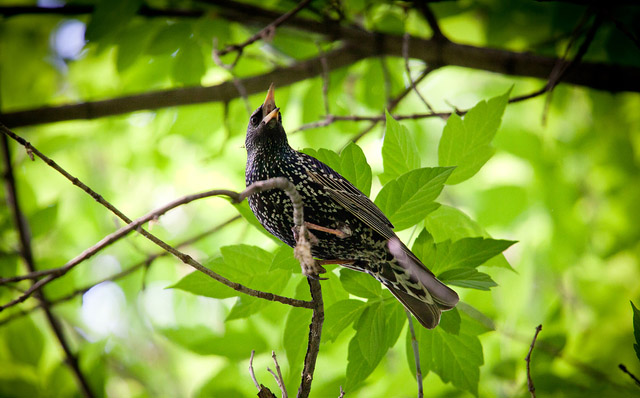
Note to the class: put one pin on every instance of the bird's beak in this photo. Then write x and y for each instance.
(269, 102)
(273, 114)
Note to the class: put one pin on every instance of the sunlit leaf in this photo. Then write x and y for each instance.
(350, 163)
(456, 358)
(339, 316)
(360, 284)
(399, 151)
(466, 143)
(409, 198)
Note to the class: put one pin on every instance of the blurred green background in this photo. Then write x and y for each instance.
(564, 182)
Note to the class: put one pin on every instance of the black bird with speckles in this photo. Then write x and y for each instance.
(350, 229)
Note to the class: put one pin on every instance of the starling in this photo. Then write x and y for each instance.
(349, 228)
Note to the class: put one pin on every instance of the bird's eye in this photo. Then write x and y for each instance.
(255, 119)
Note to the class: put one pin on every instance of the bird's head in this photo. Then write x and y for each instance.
(265, 129)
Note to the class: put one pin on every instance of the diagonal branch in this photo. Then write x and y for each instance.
(27, 254)
(280, 183)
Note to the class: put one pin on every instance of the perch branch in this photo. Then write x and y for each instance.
(532, 388)
(315, 331)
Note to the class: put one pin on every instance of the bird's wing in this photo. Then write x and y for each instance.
(349, 197)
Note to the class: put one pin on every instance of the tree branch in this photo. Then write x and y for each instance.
(357, 45)
(144, 263)
(280, 183)
(416, 354)
(267, 31)
(532, 388)
(315, 331)
(27, 254)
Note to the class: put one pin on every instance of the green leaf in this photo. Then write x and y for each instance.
(170, 39)
(296, 329)
(467, 143)
(409, 198)
(189, 66)
(360, 284)
(425, 249)
(636, 329)
(371, 333)
(43, 220)
(450, 223)
(339, 316)
(109, 16)
(456, 358)
(467, 277)
(202, 285)
(24, 341)
(358, 368)
(350, 163)
(202, 341)
(283, 259)
(399, 151)
(450, 321)
(132, 42)
(467, 253)
(244, 261)
(272, 282)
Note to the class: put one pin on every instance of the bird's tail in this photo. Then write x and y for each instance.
(424, 295)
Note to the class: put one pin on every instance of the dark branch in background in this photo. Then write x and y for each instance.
(27, 254)
(416, 355)
(633, 377)
(532, 388)
(144, 263)
(357, 44)
(267, 32)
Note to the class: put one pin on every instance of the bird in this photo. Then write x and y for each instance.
(348, 228)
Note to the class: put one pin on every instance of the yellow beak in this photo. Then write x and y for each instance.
(270, 102)
(273, 114)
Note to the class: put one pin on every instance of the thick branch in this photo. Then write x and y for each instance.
(358, 45)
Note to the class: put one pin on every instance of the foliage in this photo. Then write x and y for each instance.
(459, 191)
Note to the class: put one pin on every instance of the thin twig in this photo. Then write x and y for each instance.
(325, 79)
(267, 31)
(416, 355)
(27, 254)
(279, 378)
(315, 331)
(144, 263)
(405, 55)
(251, 372)
(532, 388)
(633, 377)
(341, 393)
